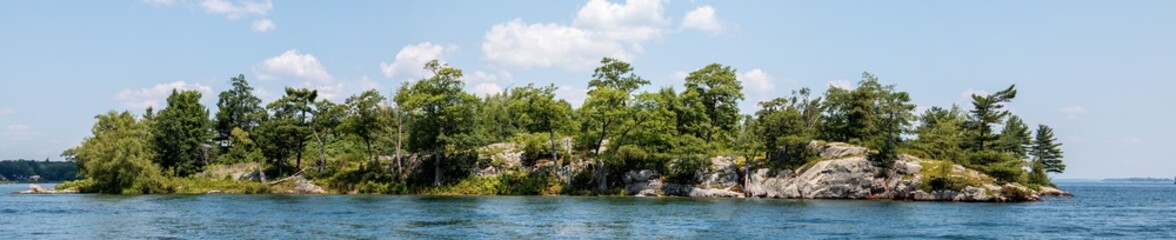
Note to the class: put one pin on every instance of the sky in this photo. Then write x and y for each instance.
(1098, 72)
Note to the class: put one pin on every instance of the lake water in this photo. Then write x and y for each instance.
(1100, 210)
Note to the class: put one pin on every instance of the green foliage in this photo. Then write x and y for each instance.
(181, 134)
(237, 108)
(1014, 138)
(285, 132)
(938, 175)
(364, 119)
(443, 115)
(22, 170)
(940, 133)
(243, 150)
(1046, 151)
(117, 157)
(685, 169)
(539, 112)
(987, 111)
(718, 91)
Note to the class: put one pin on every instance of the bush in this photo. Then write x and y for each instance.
(685, 169)
(1015, 194)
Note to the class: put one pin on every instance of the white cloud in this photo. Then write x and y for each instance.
(757, 80)
(679, 76)
(161, 3)
(293, 64)
(1073, 111)
(599, 29)
(842, 84)
(411, 59)
(967, 94)
(703, 19)
(263, 25)
(18, 132)
(154, 96)
(519, 44)
(6, 111)
(574, 95)
(501, 76)
(237, 10)
(482, 89)
(635, 21)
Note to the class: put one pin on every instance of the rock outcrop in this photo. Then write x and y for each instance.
(843, 173)
(37, 189)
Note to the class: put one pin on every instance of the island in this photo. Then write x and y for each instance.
(431, 137)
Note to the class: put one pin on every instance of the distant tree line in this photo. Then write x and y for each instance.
(368, 139)
(49, 171)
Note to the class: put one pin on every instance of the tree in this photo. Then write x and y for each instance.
(118, 156)
(327, 117)
(785, 127)
(182, 133)
(719, 92)
(1014, 138)
(539, 111)
(285, 132)
(443, 114)
(987, 111)
(363, 119)
(237, 108)
(894, 109)
(940, 133)
(609, 93)
(1047, 151)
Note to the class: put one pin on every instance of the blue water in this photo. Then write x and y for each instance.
(1099, 210)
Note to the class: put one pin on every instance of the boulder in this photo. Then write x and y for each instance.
(723, 173)
(307, 187)
(851, 178)
(1053, 192)
(643, 183)
(973, 194)
(835, 150)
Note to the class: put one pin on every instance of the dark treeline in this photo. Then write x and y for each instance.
(428, 133)
(37, 171)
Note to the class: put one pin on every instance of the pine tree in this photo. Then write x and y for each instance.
(1047, 151)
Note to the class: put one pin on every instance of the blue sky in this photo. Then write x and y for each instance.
(1099, 72)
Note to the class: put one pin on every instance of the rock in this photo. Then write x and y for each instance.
(940, 195)
(1053, 192)
(850, 178)
(502, 155)
(307, 187)
(37, 189)
(214, 192)
(723, 173)
(972, 194)
(642, 183)
(835, 150)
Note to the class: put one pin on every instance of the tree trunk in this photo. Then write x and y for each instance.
(437, 169)
(371, 156)
(554, 154)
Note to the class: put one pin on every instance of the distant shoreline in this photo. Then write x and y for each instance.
(1138, 179)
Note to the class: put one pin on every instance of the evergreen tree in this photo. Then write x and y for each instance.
(940, 133)
(237, 108)
(1047, 151)
(719, 93)
(987, 111)
(1014, 138)
(182, 133)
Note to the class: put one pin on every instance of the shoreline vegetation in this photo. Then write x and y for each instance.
(431, 137)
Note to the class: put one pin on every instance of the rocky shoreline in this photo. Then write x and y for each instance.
(843, 173)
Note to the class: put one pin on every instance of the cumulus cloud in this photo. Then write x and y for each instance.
(482, 89)
(263, 25)
(842, 84)
(574, 95)
(18, 132)
(1073, 111)
(411, 59)
(237, 10)
(757, 80)
(703, 19)
(155, 96)
(523, 45)
(293, 64)
(600, 28)
(636, 20)
(305, 71)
